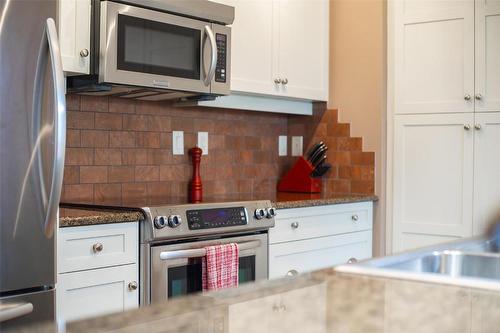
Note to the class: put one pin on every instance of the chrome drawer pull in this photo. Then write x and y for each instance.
(292, 273)
(97, 247)
(352, 261)
(196, 253)
(294, 225)
(355, 217)
(132, 286)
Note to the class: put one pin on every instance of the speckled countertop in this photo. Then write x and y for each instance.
(82, 215)
(79, 216)
(319, 302)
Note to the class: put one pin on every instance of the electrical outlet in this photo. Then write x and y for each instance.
(282, 145)
(203, 142)
(178, 142)
(297, 145)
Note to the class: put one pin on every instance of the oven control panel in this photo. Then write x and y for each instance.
(220, 69)
(216, 217)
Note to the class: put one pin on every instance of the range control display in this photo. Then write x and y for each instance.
(220, 69)
(216, 218)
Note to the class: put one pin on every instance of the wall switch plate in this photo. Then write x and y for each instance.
(178, 142)
(297, 142)
(203, 142)
(282, 145)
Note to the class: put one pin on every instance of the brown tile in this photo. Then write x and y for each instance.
(72, 102)
(174, 172)
(362, 172)
(105, 156)
(166, 140)
(147, 173)
(349, 144)
(246, 157)
(72, 138)
(338, 129)
(79, 156)
(363, 158)
(344, 172)
(159, 124)
(216, 141)
(78, 193)
(340, 186)
(93, 174)
(108, 194)
(121, 139)
(94, 103)
(121, 174)
(183, 124)
(362, 187)
(252, 142)
(121, 105)
(135, 122)
(145, 107)
(110, 121)
(134, 194)
(80, 120)
(203, 125)
(148, 139)
(340, 157)
(159, 192)
(158, 156)
(134, 156)
(71, 175)
(95, 138)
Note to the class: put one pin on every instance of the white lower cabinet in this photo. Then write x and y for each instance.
(97, 292)
(97, 270)
(306, 239)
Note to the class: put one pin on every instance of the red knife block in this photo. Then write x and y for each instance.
(299, 179)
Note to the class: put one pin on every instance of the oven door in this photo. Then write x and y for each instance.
(179, 272)
(147, 48)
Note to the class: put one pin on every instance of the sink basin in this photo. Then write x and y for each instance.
(472, 263)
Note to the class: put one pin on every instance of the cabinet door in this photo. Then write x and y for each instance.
(253, 46)
(291, 258)
(303, 48)
(96, 292)
(432, 194)
(486, 171)
(434, 56)
(74, 35)
(488, 55)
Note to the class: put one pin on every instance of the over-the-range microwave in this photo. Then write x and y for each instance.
(158, 50)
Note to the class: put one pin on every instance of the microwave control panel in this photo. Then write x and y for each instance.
(220, 69)
(216, 217)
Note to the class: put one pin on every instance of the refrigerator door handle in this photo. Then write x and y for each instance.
(10, 311)
(59, 128)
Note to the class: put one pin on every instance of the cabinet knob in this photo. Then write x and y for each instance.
(97, 247)
(355, 217)
(479, 97)
(292, 273)
(294, 225)
(284, 81)
(466, 127)
(352, 261)
(478, 127)
(467, 97)
(277, 80)
(84, 53)
(132, 286)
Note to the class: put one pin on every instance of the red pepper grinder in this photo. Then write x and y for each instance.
(195, 187)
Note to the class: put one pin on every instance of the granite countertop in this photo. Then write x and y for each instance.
(80, 216)
(318, 302)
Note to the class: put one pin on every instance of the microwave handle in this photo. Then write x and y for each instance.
(196, 253)
(213, 56)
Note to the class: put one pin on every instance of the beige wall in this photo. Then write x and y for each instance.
(358, 84)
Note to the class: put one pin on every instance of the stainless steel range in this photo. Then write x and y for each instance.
(173, 241)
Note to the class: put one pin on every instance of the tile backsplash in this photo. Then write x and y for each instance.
(119, 152)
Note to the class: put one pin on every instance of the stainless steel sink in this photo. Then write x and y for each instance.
(473, 263)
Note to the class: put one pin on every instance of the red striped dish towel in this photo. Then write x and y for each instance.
(220, 267)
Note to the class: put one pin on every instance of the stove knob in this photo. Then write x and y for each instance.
(260, 213)
(270, 212)
(174, 221)
(160, 222)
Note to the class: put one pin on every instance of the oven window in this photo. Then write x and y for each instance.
(186, 279)
(158, 48)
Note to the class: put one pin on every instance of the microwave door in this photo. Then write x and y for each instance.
(221, 76)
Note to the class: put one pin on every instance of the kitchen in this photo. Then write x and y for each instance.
(143, 141)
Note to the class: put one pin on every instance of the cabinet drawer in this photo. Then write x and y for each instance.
(304, 223)
(311, 254)
(96, 292)
(96, 246)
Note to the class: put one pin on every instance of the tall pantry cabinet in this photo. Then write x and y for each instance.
(444, 97)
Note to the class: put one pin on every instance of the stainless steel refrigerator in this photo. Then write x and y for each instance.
(32, 143)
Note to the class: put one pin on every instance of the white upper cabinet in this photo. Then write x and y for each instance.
(487, 55)
(280, 48)
(433, 175)
(434, 56)
(74, 35)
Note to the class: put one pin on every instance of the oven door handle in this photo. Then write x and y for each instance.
(196, 253)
